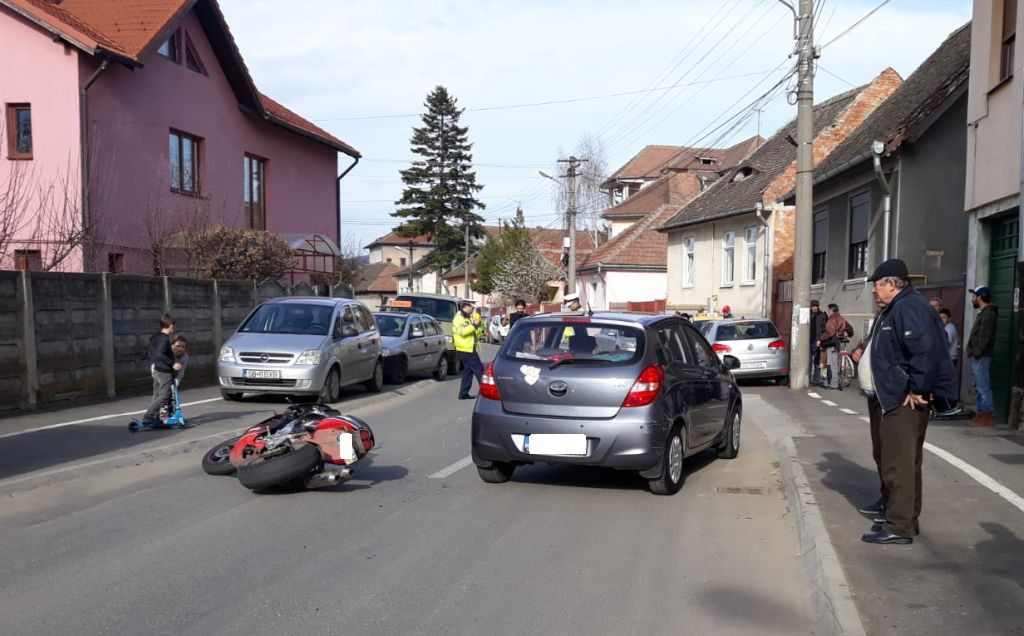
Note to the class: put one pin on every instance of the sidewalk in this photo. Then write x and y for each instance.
(965, 573)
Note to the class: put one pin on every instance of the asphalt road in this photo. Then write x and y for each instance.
(416, 544)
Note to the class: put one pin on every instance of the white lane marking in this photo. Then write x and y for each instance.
(451, 469)
(978, 476)
(865, 419)
(829, 403)
(98, 418)
(813, 395)
(848, 411)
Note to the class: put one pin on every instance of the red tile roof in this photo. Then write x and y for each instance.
(129, 29)
(641, 246)
(674, 188)
(392, 238)
(652, 160)
(378, 278)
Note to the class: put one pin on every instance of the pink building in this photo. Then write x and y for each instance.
(136, 120)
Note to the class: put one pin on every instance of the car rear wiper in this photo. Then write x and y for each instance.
(578, 360)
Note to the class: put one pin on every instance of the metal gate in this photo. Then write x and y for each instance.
(1003, 282)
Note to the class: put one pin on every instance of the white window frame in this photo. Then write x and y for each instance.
(728, 259)
(750, 255)
(689, 261)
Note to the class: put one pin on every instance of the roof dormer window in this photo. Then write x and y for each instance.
(707, 161)
(743, 174)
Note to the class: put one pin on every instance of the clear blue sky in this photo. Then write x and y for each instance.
(333, 61)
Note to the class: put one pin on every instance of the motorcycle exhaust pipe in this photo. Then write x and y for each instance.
(329, 478)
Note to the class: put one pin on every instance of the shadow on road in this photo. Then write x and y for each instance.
(858, 485)
(565, 476)
(753, 608)
(43, 449)
(1003, 554)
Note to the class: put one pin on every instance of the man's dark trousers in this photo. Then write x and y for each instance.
(471, 367)
(902, 437)
(875, 416)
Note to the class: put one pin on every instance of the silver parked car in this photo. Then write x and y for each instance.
(302, 346)
(411, 343)
(754, 342)
(625, 391)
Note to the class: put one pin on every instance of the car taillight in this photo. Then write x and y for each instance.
(778, 344)
(721, 348)
(488, 387)
(646, 388)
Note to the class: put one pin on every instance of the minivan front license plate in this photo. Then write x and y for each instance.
(556, 444)
(261, 374)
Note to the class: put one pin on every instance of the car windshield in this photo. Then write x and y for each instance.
(436, 307)
(393, 326)
(560, 342)
(292, 318)
(745, 331)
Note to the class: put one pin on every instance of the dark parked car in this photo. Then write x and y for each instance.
(625, 391)
(411, 343)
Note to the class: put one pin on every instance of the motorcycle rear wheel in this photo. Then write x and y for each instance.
(278, 470)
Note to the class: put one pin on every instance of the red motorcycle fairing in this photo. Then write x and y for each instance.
(332, 436)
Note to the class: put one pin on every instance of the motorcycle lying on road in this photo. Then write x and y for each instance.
(312, 445)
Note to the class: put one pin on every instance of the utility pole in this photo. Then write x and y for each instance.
(800, 345)
(570, 283)
(467, 263)
(411, 245)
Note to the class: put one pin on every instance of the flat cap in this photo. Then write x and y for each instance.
(892, 268)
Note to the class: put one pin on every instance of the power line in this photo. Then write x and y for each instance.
(551, 102)
(822, 68)
(855, 24)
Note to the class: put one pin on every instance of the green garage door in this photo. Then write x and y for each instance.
(1002, 280)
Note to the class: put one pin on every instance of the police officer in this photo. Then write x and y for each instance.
(467, 329)
(572, 303)
(908, 365)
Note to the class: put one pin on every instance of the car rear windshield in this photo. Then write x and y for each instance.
(436, 307)
(393, 326)
(563, 342)
(292, 318)
(745, 331)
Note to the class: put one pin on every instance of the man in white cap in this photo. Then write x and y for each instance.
(572, 302)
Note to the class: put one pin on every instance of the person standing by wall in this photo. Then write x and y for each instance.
(949, 408)
(817, 329)
(909, 362)
(467, 329)
(979, 354)
(836, 327)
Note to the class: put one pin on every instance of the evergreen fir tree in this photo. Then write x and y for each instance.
(439, 199)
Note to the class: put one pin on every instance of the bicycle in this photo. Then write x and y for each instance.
(847, 367)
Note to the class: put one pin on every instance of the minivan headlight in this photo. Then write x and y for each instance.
(227, 354)
(311, 357)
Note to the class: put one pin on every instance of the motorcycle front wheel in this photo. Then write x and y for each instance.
(217, 461)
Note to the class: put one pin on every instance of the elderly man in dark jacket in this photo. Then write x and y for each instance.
(908, 365)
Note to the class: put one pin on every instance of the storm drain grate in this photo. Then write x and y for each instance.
(740, 490)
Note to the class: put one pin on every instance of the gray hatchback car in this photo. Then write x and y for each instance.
(411, 343)
(626, 391)
(756, 343)
(302, 346)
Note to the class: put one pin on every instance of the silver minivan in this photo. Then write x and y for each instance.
(302, 346)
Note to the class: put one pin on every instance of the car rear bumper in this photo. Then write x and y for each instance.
(774, 366)
(633, 440)
(293, 380)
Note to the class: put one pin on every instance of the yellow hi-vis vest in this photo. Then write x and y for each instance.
(465, 333)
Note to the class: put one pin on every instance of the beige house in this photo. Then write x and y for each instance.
(398, 250)
(725, 251)
(993, 184)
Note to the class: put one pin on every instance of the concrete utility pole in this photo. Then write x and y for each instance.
(800, 345)
(570, 283)
(466, 279)
(411, 245)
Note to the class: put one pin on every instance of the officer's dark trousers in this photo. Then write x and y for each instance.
(471, 368)
(901, 435)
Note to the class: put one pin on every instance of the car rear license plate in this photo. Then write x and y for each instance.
(261, 374)
(755, 365)
(556, 444)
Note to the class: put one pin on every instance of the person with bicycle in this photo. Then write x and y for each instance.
(817, 331)
(836, 327)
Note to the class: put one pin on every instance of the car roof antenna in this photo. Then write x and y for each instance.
(590, 312)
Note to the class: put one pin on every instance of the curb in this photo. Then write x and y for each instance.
(80, 470)
(835, 610)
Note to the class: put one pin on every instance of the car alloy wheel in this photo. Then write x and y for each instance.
(736, 432)
(675, 459)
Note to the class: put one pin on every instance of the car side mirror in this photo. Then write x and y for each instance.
(731, 362)
(416, 333)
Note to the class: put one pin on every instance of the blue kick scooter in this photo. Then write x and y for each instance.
(171, 415)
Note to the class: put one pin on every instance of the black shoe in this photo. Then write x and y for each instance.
(875, 510)
(467, 397)
(884, 537)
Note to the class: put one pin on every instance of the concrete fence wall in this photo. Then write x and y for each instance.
(84, 337)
